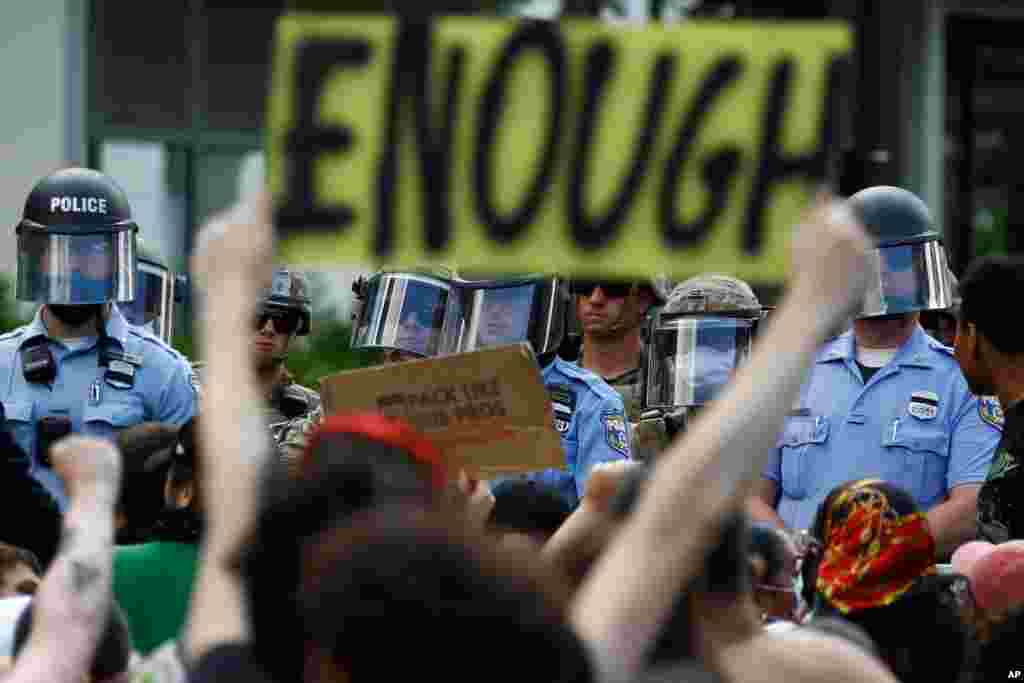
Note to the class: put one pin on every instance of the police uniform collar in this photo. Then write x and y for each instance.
(914, 352)
(35, 329)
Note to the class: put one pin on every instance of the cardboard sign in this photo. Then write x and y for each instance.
(487, 410)
(530, 146)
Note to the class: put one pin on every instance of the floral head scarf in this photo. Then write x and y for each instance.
(872, 554)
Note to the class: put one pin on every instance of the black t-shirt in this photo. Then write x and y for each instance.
(1001, 498)
(226, 664)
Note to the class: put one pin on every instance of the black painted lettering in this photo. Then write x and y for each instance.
(717, 171)
(308, 139)
(545, 38)
(411, 78)
(774, 166)
(596, 232)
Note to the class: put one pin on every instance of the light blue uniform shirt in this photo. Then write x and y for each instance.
(162, 390)
(591, 421)
(915, 424)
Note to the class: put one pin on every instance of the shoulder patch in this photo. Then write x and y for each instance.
(615, 433)
(991, 411)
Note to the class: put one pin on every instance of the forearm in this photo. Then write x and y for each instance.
(620, 610)
(954, 522)
(232, 428)
(760, 511)
(73, 601)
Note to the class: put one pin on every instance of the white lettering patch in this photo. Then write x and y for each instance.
(78, 205)
(924, 405)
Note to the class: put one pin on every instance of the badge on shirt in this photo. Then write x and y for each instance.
(615, 431)
(563, 403)
(924, 405)
(991, 411)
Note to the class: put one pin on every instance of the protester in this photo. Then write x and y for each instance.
(19, 571)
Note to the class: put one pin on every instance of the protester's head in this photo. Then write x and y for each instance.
(773, 561)
(526, 513)
(182, 496)
(874, 544)
(453, 605)
(113, 652)
(996, 573)
(146, 451)
(352, 463)
(875, 568)
(20, 571)
(987, 338)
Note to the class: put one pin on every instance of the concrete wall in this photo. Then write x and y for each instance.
(35, 127)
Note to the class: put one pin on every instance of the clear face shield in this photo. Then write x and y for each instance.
(908, 278)
(405, 312)
(690, 359)
(498, 313)
(153, 305)
(75, 269)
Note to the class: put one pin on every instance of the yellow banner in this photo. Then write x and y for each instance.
(574, 147)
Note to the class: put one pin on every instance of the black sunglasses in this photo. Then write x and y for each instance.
(284, 322)
(612, 290)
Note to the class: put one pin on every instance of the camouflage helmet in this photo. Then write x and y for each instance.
(713, 293)
(289, 290)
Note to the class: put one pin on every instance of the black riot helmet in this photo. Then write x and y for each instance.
(910, 268)
(76, 241)
(156, 291)
(289, 294)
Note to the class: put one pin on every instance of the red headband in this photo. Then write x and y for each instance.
(385, 430)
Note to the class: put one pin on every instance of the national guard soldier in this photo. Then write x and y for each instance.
(423, 314)
(612, 316)
(157, 290)
(79, 366)
(695, 344)
(885, 400)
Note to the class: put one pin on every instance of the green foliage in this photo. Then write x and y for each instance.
(10, 317)
(991, 232)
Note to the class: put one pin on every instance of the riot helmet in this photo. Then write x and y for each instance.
(76, 241)
(156, 290)
(436, 311)
(507, 310)
(941, 324)
(698, 340)
(403, 311)
(287, 299)
(910, 271)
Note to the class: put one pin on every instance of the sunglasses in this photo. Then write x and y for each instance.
(284, 322)
(612, 290)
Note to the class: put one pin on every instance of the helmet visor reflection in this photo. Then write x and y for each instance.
(72, 269)
(690, 360)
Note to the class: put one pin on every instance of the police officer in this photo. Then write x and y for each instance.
(435, 313)
(696, 342)
(79, 366)
(885, 400)
(990, 350)
(157, 289)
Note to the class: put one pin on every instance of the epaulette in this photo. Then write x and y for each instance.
(13, 334)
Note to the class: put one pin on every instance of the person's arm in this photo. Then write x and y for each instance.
(972, 445)
(955, 521)
(231, 261)
(619, 610)
(761, 505)
(73, 600)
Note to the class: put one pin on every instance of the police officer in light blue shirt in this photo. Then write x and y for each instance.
(884, 399)
(79, 366)
(435, 311)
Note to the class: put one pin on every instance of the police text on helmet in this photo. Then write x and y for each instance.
(78, 204)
